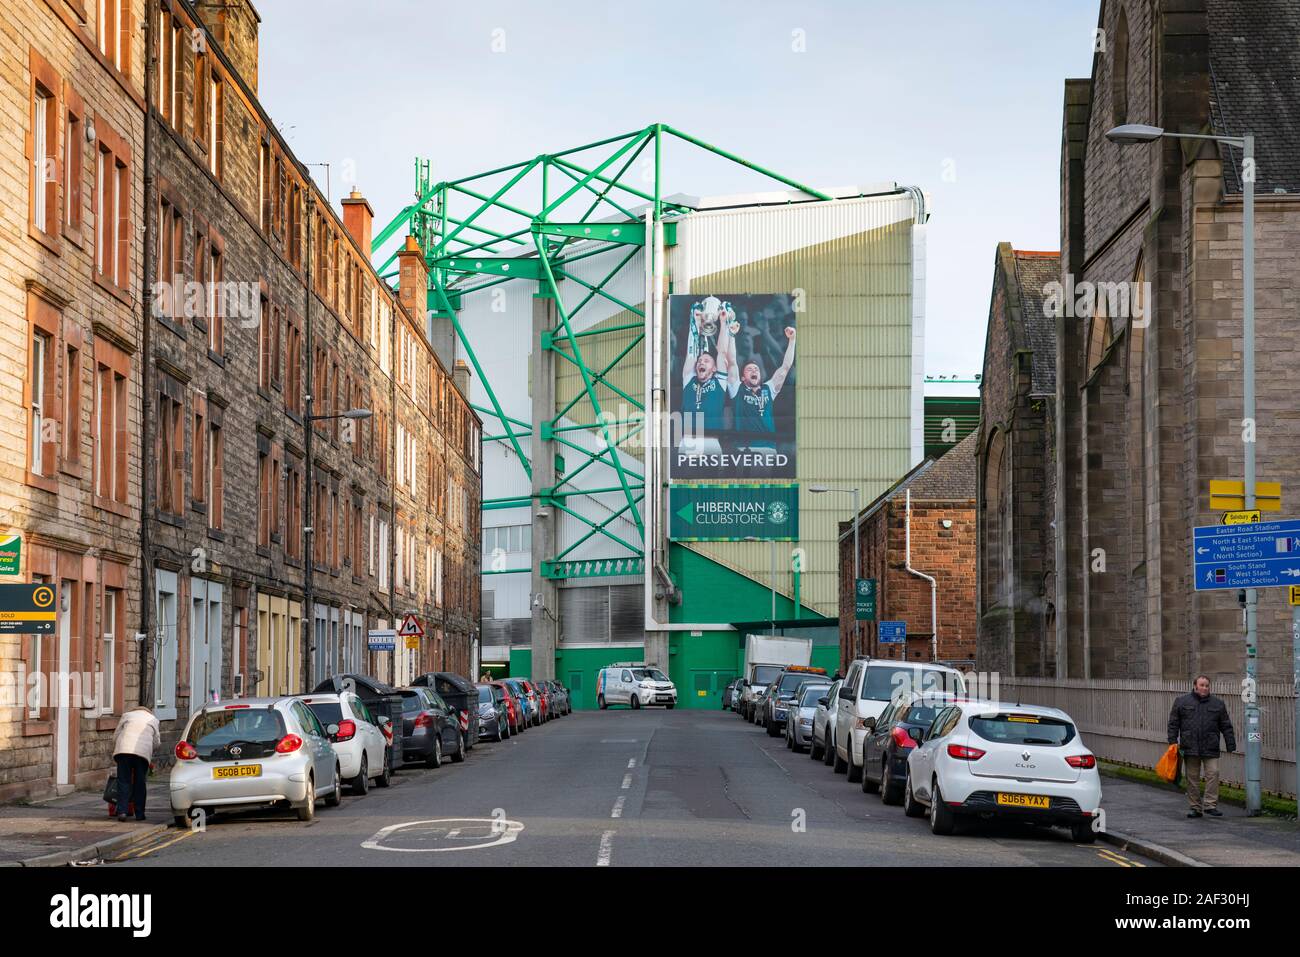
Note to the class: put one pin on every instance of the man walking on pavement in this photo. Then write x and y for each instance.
(1195, 724)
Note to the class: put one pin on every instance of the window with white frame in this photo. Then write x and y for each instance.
(108, 654)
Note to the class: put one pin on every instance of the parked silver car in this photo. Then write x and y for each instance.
(251, 752)
(803, 708)
(823, 728)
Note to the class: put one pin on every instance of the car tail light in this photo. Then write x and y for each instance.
(963, 753)
(185, 751)
(1081, 761)
(288, 744)
(424, 720)
(901, 738)
(347, 728)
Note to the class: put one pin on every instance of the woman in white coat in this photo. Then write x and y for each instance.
(133, 748)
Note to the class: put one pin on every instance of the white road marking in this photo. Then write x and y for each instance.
(606, 849)
(502, 831)
(454, 832)
(631, 762)
(618, 807)
(619, 740)
(627, 781)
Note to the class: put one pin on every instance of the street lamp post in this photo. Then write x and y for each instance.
(1129, 134)
(309, 545)
(857, 572)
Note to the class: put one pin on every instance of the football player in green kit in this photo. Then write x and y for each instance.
(706, 386)
(754, 398)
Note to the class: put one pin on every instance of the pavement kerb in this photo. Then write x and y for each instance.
(1157, 852)
(92, 851)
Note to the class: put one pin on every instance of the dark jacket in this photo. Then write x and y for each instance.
(1195, 725)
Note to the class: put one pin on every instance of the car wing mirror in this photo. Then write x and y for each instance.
(846, 694)
(332, 730)
(869, 724)
(824, 702)
(919, 735)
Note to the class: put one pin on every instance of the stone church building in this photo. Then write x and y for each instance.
(1112, 381)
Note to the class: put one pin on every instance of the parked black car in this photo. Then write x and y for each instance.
(891, 740)
(383, 700)
(430, 729)
(459, 692)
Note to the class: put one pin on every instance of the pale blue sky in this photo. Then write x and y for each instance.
(885, 90)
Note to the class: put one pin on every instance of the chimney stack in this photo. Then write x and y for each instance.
(413, 284)
(460, 376)
(235, 24)
(358, 219)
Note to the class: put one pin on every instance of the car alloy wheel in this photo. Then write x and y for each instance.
(336, 795)
(459, 755)
(911, 806)
(636, 703)
(888, 786)
(435, 760)
(941, 817)
(307, 811)
(361, 783)
(386, 778)
(868, 786)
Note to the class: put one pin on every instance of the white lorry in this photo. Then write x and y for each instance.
(765, 656)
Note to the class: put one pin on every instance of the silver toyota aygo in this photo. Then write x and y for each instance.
(251, 752)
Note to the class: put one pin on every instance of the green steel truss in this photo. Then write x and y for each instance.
(520, 222)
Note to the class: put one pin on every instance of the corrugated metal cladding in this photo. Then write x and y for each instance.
(601, 613)
(854, 358)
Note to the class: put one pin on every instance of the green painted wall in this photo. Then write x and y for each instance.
(712, 593)
(704, 663)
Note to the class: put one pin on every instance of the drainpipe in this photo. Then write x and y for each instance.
(934, 587)
(148, 599)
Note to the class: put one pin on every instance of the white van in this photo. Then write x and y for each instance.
(634, 685)
(868, 687)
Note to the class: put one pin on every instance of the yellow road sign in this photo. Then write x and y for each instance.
(1230, 494)
(1240, 518)
(1293, 592)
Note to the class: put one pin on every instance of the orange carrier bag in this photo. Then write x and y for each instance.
(1167, 766)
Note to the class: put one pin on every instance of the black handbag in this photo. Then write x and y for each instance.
(110, 788)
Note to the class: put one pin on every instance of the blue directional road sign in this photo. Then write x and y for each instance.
(1260, 555)
(893, 632)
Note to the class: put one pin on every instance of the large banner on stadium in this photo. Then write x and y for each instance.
(732, 375)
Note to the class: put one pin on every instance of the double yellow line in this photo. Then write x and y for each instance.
(152, 846)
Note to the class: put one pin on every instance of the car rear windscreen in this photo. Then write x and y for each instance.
(255, 731)
(810, 696)
(1022, 729)
(923, 714)
(791, 682)
(485, 695)
(329, 712)
(884, 683)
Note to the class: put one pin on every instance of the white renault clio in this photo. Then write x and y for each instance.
(992, 759)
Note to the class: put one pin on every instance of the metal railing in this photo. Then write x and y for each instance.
(1125, 720)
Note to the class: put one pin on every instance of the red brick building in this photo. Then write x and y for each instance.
(932, 510)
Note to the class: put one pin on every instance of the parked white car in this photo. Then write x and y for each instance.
(635, 686)
(254, 752)
(993, 759)
(868, 688)
(354, 732)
